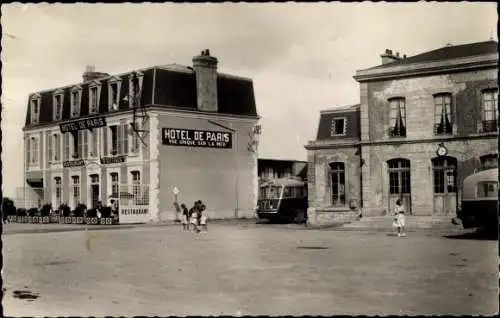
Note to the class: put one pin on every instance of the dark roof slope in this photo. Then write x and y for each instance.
(177, 88)
(447, 53)
(352, 122)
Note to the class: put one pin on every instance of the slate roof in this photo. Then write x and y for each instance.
(174, 87)
(447, 53)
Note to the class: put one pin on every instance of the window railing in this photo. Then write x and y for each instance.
(396, 132)
(440, 129)
(488, 126)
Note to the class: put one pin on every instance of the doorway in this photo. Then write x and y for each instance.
(399, 184)
(94, 190)
(445, 186)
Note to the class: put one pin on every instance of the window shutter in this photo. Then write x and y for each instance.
(49, 147)
(119, 140)
(28, 149)
(104, 131)
(125, 138)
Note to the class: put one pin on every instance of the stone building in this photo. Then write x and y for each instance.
(424, 123)
(146, 137)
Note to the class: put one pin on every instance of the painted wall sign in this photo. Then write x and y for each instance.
(73, 163)
(82, 124)
(196, 138)
(111, 160)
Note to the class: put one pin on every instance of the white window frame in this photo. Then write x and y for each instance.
(109, 179)
(55, 204)
(97, 86)
(73, 174)
(332, 126)
(56, 150)
(33, 150)
(55, 115)
(67, 145)
(75, 105)
(110, 138)
(140, 77)
(94, 151)
(35, 115)
(133, 137)
(118, 82)
(89, 187)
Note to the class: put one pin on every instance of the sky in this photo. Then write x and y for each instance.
(301, 57)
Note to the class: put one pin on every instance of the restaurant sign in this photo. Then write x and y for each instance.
(73, 163)
(196, 138)
(82, 124)
(111, 160)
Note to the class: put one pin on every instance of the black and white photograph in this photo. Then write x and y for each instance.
(246, 159)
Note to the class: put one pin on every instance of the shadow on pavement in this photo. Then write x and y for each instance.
(475, 235)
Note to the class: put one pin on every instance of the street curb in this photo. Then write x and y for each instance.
(112, 227)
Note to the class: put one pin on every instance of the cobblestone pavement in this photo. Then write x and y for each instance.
(238, 269)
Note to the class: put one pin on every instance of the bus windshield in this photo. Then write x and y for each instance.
(270, 192)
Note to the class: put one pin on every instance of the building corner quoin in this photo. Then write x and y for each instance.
(154, 166)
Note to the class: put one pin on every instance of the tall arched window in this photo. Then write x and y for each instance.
(397, 117)
(443, 119)
(337, 183)
(489, 103)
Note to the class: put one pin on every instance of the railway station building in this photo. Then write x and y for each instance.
(149, 137)
(423, 124)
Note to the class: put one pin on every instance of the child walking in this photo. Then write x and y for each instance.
(185, 217)
(203, 218)
(399, 218)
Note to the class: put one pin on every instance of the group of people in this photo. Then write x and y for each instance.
(196, 216)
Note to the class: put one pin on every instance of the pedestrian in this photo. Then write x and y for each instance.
(399, 218)
(203, 218)
(193, 217)
(185, 217)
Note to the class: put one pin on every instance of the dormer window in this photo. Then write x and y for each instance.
(337, 127)
(58, 100)
(135, 89)
(94, 97)
(76, 98)
(114, 87)
(35, 109)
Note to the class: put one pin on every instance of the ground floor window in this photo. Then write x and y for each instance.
(57, 192)
(115, 184)
(75, 184)
(337, 182)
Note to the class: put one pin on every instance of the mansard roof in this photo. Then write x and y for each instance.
(168, 86)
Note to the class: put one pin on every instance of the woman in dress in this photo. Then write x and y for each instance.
(399, 218)
(185, 217)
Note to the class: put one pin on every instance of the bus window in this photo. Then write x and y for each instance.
(270, 192)
(287, 192)
(487, 189)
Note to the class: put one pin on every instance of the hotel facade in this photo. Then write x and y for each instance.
(149, 137)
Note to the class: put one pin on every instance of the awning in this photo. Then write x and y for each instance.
(35, 179)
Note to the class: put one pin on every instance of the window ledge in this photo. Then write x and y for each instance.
(342, 208)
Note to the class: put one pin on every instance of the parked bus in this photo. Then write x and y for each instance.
(480, 200)
(282, 200)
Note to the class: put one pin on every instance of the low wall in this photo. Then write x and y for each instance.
(320, 217)
(61, 220)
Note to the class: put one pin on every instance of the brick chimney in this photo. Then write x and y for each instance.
(205, 68)
(389, 57)
(90, 74)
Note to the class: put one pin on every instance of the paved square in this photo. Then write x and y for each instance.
(248, 270)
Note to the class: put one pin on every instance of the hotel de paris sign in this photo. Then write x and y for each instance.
(196, 138)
